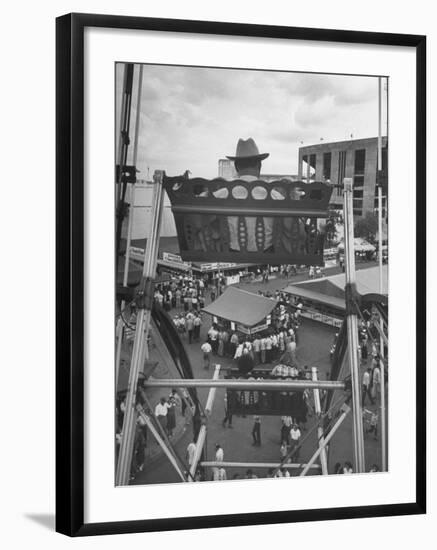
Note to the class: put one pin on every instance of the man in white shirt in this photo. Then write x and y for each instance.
(191, 450)
(269, 345)
(291, 348)
(219, 454)
(256, 350)
(161, 411)
(376, 383)
(263, 350)
(206, 348)
(197, 324)
(213, 338)
(295, 435)
(366, 387)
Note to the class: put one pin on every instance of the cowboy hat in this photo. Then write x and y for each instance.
(247, 148)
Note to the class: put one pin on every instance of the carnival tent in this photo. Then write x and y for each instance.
(360, 245)
(241, 307)
(330, 290)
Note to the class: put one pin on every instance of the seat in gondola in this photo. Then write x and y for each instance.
(249, 222)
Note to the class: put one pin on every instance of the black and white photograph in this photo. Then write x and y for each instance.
(251, 215)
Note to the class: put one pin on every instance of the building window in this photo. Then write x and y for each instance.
(359, 165)
(341, 170)
(360, 162)
(308, 167)
(327, 166)
(304, 168)
(313, 163)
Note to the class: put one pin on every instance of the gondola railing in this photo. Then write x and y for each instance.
(249, 222)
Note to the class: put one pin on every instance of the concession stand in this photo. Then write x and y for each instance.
(324, 300)
(242, 311)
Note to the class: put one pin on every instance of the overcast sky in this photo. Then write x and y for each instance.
(191, 116)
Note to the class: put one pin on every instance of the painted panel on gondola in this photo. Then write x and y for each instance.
(254, 222)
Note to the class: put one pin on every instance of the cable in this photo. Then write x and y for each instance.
(126, 324)
(124, 309)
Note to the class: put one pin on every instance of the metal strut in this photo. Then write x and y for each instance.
(141, 333)
(240, 384)
(352, 326)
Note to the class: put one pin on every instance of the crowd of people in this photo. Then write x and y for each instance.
(186, 292)
(275, 349)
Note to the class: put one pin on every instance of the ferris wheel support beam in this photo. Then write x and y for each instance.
(144, 307)
(318, 411)
(352, 325)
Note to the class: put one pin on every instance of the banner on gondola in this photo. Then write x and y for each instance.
(267, 403)
(249, 222)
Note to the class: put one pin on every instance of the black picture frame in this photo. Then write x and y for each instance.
(70, 272)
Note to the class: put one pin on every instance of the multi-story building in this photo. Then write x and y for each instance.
(226, 169)
(357, 159)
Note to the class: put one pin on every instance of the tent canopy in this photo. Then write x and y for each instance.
(330, 290)
(241, 306)
(360, 245)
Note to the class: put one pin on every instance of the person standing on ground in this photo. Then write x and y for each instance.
(178, 295)
(295, 435)
(376, 383)
(373, 425)
(366, 387)
(291, 349)
(256, 431)
(225, 338)
(228, 413)
(191, 451)
(161, 411)
(189, 324)
(233, 343)
(256, 346)
(269, 346)
(221, 344)
(219, 457)
(283, 451)
(171, 416)
(197, 324)
(287, 422)
(262, 347)
(213, 338)
(206, 348)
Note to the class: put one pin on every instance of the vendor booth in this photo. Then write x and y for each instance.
(363, 249)
(323, 299)
(242, 311)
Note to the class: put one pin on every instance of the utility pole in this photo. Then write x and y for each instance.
(352, 325)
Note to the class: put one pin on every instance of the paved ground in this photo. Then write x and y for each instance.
(313, 349)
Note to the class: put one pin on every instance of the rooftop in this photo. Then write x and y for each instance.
(241, 306)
